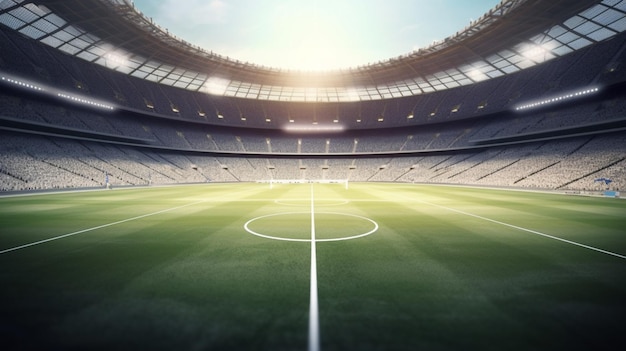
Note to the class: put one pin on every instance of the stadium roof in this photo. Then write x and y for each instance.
(514, 35)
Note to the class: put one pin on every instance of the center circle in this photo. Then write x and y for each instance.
(297, 226)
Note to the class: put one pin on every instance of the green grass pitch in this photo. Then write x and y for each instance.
(399, 267)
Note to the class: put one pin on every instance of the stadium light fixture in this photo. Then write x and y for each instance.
(77, 99)
(216, 86)
(21, 83)
(557, 99)
(313, 128)
(537, 53)
(113, 60)
(352, 94)
(477, 75)
(85, 101)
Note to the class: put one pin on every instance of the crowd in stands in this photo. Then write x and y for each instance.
(29, 162)
(37, 162)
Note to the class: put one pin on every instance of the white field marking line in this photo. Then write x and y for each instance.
(314, 323)
(246, 227)
(107, 225)
(523, 229)
(98, 227)
(69, 191)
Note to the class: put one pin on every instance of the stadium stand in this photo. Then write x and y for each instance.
(159, 134)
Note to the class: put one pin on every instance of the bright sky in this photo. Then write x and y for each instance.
(314, 34)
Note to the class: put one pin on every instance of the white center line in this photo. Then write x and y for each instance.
(314, 324)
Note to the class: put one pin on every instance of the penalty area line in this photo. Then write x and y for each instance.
(96, 228)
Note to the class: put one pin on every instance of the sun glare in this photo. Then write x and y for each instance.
(313, 35)
(309, 40)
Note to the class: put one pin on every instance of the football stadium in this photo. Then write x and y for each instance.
(158, 195)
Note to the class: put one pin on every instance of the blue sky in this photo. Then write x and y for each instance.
(313, 35)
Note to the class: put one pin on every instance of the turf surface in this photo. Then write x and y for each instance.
(445, 268)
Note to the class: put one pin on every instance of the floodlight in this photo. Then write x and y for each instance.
(315, 128)
(216, 85)
(113, 60)
(524, 106)
(477, 75)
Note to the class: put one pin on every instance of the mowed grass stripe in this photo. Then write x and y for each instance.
(530, 231)
(523, 229)
(443, 280)
(31, 217)
(183, 281)
(96, 228)
(570, 219)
